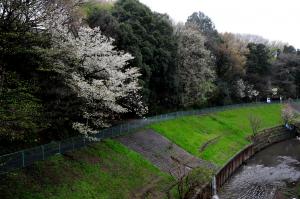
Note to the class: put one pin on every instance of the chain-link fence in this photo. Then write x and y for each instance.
(29, 156)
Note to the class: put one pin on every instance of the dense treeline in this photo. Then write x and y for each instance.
(72, 66)
(149, 38)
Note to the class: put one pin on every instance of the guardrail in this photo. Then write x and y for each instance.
(27, 157)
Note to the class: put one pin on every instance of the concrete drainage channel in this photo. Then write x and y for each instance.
(163, 153)
(260, 142)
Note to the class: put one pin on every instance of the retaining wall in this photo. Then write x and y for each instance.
(271, 136)
(233, 164)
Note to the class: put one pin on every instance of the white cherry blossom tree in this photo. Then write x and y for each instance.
(100, 76)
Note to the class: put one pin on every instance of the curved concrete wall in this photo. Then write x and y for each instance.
(264, 139)
(271, 136)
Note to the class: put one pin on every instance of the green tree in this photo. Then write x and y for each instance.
(285, 74)
(258, 68)
(21, 113)
(205, 26)
(195, 71)
(21, 54)
(231, 61)
(289, 50)
(100, 15)
(25, 51)
(149, 37)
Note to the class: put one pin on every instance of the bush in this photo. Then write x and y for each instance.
(255, 124)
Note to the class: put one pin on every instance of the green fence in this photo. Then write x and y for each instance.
(27, 157)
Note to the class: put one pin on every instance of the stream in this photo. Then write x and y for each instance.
(274, 168)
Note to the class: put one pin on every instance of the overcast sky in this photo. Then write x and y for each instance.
(272, 19)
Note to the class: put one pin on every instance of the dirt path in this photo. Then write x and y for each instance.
(162, 153)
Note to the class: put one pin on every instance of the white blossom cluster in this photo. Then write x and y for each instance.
(101, 76)
(244, 89)
(252, 93)
(274, 91)
(240, 88)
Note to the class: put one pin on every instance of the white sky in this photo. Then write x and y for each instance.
(272, 19)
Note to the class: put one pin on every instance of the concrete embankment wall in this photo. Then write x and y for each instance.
(271, 136)
(264, 139)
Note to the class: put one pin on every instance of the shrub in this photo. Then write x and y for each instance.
(255, 124)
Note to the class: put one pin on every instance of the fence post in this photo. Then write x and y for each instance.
(111, 132)
(43, 152)
(120, 129)
(73, 144)
(59, 150)
(23, 159)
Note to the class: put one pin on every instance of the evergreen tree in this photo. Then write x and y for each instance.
(258, 68)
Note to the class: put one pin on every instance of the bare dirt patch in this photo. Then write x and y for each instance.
(77, 156)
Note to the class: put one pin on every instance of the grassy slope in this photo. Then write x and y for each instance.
(105, 170)
(232, 127)
(110, 170)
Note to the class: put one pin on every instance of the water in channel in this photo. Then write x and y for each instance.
(274, 168)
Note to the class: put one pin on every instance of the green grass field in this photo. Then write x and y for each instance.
(229, 128)
(105, 170)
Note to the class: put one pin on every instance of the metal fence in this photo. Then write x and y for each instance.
(27, 157)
